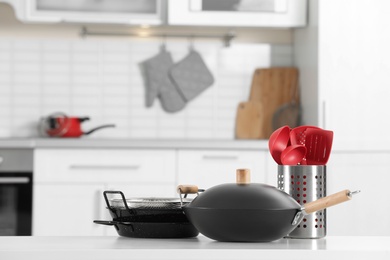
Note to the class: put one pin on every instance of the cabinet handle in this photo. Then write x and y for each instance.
(98, 205)
(323, 114)
(103, 167)
(14, 180)
(220, 157)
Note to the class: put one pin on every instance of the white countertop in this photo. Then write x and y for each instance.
(133, 143)
(199, 248)
(116, 143)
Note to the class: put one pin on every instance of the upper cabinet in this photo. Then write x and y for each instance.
(133, 12)
(344, 66)
(239, 13)
(244, 13)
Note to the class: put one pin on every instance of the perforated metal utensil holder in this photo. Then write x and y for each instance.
(305, 183)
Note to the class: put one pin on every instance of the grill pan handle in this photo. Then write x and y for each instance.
(187, 189)
(123, 199)
(105, 222)
(111, 222)
(329, 201)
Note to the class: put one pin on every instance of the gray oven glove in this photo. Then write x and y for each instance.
(191, 75)
(159, 84)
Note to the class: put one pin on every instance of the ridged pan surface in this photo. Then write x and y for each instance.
(150, 203)
(149, 209)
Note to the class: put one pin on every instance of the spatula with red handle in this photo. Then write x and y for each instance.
(318, 143)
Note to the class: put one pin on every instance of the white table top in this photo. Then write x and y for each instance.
(199, 248)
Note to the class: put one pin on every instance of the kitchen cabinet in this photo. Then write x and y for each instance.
(271, 170)
(68, 185)
(69, 182)
(365, 171)
(262, 13)
(344, 81)
(135, 12)
(366, 214)
(344, 72)
(207, 168)
(67, 209)
(104, 165)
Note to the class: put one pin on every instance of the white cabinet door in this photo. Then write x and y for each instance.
(344, 76)
(144, 189)
(138, 12)
(212, 167)
(354, 73)
(271, 170)
(104, 166)
(367, 213)
(69, 185)
(67, 210)
(265, 13)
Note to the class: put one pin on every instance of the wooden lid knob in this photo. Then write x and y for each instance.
(243, 176)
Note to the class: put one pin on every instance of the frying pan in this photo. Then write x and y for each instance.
(148, 217)
(151, 230)
(250, 212)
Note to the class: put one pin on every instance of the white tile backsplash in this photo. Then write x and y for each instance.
(102, 79)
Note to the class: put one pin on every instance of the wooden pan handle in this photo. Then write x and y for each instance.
(187, 189)
(327, 202)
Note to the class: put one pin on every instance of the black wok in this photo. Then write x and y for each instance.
(249, 212)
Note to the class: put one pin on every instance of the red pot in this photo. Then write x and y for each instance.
(60, 125)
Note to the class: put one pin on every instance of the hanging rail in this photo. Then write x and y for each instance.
(227, 38)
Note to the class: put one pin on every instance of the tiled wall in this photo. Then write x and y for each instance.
(102, 79)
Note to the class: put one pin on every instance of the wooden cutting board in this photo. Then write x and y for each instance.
(248, 121)
(272, 88)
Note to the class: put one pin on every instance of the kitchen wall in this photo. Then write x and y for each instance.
(48, 68)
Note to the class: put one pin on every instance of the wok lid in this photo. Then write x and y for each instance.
(244, 195)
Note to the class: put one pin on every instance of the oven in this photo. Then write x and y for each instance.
(16, 168)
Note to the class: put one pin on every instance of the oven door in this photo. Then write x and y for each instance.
(15, 204)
